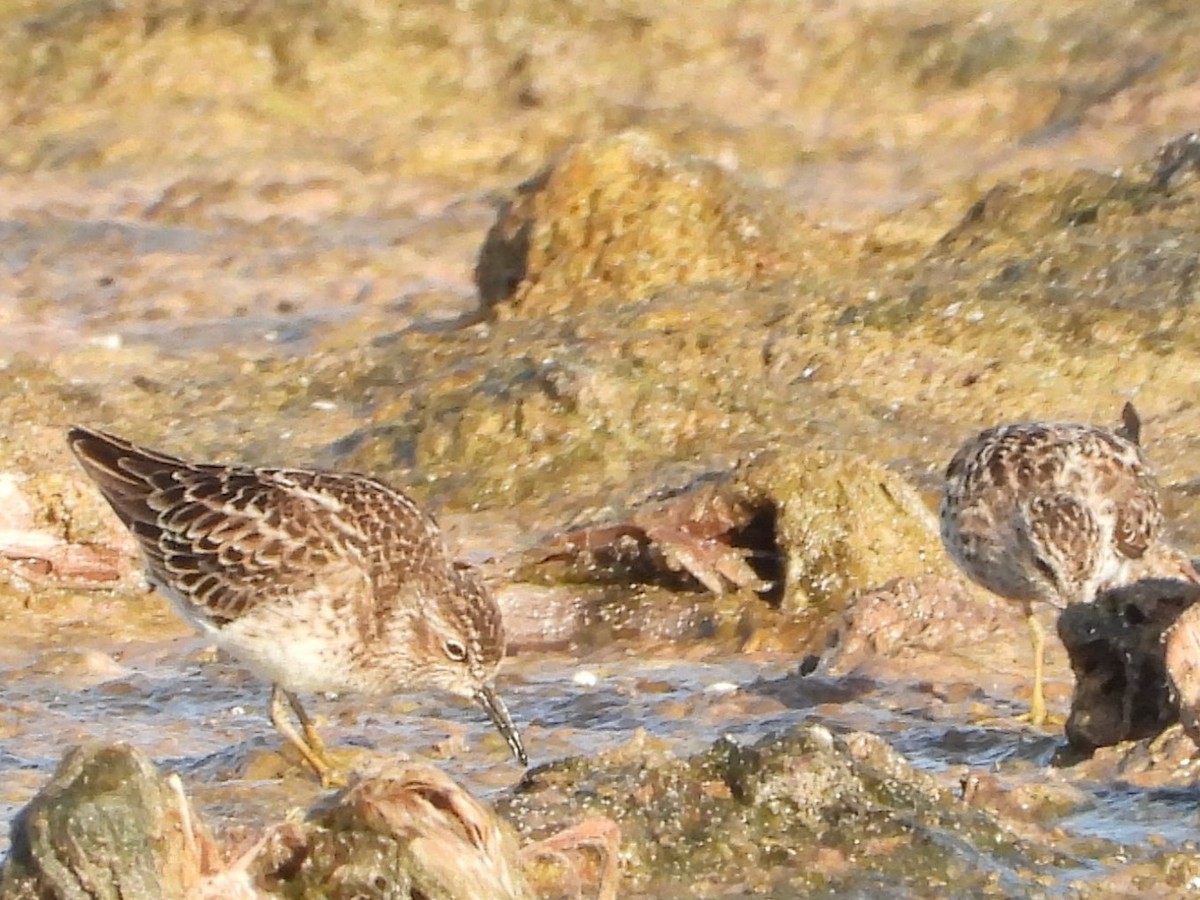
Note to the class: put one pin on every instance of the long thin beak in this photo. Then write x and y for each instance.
(487, 697)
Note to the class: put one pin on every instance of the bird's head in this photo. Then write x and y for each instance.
(460, 641)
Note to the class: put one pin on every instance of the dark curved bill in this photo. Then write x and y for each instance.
(487, 697)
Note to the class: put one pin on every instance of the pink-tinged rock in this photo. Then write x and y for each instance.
(1183, 668)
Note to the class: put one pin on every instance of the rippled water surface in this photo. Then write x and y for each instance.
(206, 718)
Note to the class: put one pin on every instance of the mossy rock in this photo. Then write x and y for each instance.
(106, 827)
(794, 813)
(843, 523)
(620, 217)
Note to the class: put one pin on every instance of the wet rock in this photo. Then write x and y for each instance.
(600, 833)
(1116, 646)
(107, 826)
(1183, 668)
(1166, 761)
(31, 553)
(803, 529)
(624, 216)
(1039, 800)
(31, 558)
(842, 522)
(907, 615)
(411, 832)
(794, 812)
(707, 534)
(1104, 238)
(408, 833)
(1177, 160)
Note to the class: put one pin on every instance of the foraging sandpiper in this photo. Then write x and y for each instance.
(315, 581)
(1054, 512)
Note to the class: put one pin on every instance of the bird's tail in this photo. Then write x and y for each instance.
(123, 471)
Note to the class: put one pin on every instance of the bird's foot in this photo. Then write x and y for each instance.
(1042, 718)
(309, 744)
(331, 778)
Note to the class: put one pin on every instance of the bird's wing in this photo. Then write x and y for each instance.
(220, 539)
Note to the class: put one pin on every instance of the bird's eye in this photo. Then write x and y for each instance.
(455, 650)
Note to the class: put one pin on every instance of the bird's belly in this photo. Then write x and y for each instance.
(1009, 581)
(993, 558)
(284, 645)
(301, 660)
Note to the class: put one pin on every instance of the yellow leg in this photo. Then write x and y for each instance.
(311, 747)
(1037, 705)
(310, 732)
(1038, 714)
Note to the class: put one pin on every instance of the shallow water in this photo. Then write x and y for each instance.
(205, 718)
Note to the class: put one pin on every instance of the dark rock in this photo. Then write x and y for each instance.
(1122, 688)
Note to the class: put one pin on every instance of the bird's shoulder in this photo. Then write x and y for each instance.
(229, 538)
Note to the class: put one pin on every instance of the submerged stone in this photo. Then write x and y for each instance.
(906, 616)
(107, 826)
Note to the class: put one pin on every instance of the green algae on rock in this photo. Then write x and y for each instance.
(464, 92)
(844, 523)
(795, 812)
(802, 528)
(1082, 261)
(106, 827)
(109, 826)
(617, 219)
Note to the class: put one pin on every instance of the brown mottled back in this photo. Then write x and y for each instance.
(220, 539)
(1050, 511)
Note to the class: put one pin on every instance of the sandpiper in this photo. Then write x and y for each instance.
(1054, 512)
(315, 581)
